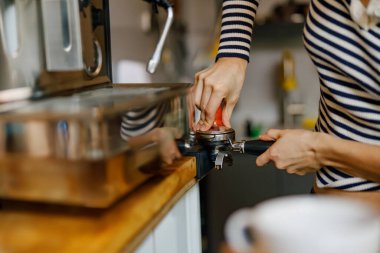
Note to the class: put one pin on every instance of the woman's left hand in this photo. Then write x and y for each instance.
(294, 150)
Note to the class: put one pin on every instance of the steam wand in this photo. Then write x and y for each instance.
(155, 60)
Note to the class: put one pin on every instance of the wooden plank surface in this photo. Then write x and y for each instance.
(44, 228)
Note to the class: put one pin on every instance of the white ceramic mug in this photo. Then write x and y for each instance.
(305, 224)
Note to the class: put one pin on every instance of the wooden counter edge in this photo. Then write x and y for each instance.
(120, 228)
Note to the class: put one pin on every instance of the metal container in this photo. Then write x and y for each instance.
(76, 149)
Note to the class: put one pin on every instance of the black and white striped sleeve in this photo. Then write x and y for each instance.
(237, 25)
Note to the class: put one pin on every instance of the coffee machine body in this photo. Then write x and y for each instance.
(50, 46)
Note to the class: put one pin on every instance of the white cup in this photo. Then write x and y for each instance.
(305, 224)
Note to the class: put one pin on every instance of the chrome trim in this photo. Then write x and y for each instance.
(220, 159)
(155, 60)
(22, 69)
(62, 35)
(93, 71)
(216, 136)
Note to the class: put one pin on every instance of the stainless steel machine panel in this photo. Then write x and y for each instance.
(21, 49)
(50, 46)
(62, 35)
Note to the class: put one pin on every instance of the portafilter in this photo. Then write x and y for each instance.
(220, 142)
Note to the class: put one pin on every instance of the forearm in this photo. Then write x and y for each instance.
(354, 158)
(237, 26)
(223, 81)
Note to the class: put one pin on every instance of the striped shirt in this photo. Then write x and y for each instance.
(237, 25)
(140, 121)
(347, 58)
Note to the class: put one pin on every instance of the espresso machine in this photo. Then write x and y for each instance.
(48, 47)
(68, 135)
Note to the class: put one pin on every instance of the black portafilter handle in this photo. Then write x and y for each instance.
(256, 147)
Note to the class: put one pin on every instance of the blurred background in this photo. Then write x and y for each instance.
(281, 88)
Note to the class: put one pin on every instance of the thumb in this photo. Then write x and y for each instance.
(265, 137)
(274, 133)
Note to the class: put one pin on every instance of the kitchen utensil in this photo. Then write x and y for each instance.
(155, 60)
(300, 224)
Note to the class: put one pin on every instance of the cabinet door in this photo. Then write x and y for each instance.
(147, 246)
(179, 231)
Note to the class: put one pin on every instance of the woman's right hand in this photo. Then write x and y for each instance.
(222, 81)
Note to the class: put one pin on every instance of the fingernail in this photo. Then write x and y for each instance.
(205, 127)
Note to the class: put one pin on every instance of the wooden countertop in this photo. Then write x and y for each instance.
(44, 228)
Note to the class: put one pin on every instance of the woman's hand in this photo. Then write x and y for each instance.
(294, 151)
(223, 80)
(165, 137)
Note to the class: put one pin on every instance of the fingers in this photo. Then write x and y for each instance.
(288, 153)
(208, 115)
(299, 171)
(207, 91)
(265, 137)
(170, 154)
(272, 153)
(227, 112)
(222, 80)
(225, 249)
(273, 134)
(198, 84)
(198, 91)
(263, 159)
(206, 94)
(191, 110)
(267, 156)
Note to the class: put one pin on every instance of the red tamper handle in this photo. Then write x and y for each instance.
(219, 117)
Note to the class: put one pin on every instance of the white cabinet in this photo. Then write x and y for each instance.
(180, 230)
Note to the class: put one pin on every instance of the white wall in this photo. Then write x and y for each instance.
(267, 5)
(128, 41)
(258, 99)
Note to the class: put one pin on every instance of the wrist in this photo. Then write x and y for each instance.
(241, 63)
(322, 148)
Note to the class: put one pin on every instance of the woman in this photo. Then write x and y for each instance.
(343, 40)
